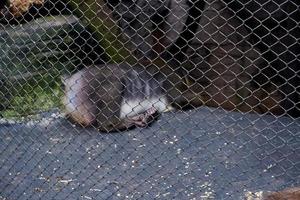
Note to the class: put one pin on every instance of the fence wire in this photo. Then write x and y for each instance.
(108, 99)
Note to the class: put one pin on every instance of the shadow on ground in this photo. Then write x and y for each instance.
(201, 154)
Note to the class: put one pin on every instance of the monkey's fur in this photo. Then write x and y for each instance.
(116, 97)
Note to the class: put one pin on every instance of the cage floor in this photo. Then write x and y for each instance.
(201, 154)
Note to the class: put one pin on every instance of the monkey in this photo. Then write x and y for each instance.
(118, 97)
(113, 97)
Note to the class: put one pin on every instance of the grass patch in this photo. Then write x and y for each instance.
(31, 97)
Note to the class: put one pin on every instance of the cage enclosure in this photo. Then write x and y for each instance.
(106, 99)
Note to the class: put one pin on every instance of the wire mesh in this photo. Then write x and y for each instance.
(108, 99)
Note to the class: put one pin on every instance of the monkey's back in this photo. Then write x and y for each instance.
(90, 92)
(106, 94)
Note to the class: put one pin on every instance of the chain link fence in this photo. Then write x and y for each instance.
(109, 99)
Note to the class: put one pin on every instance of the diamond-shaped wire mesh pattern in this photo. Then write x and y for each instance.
(139, 99)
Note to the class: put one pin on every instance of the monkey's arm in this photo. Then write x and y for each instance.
(141, 120)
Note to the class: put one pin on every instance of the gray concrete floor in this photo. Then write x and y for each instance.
(200, 154)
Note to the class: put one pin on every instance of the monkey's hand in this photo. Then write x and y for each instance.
(144, 119)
